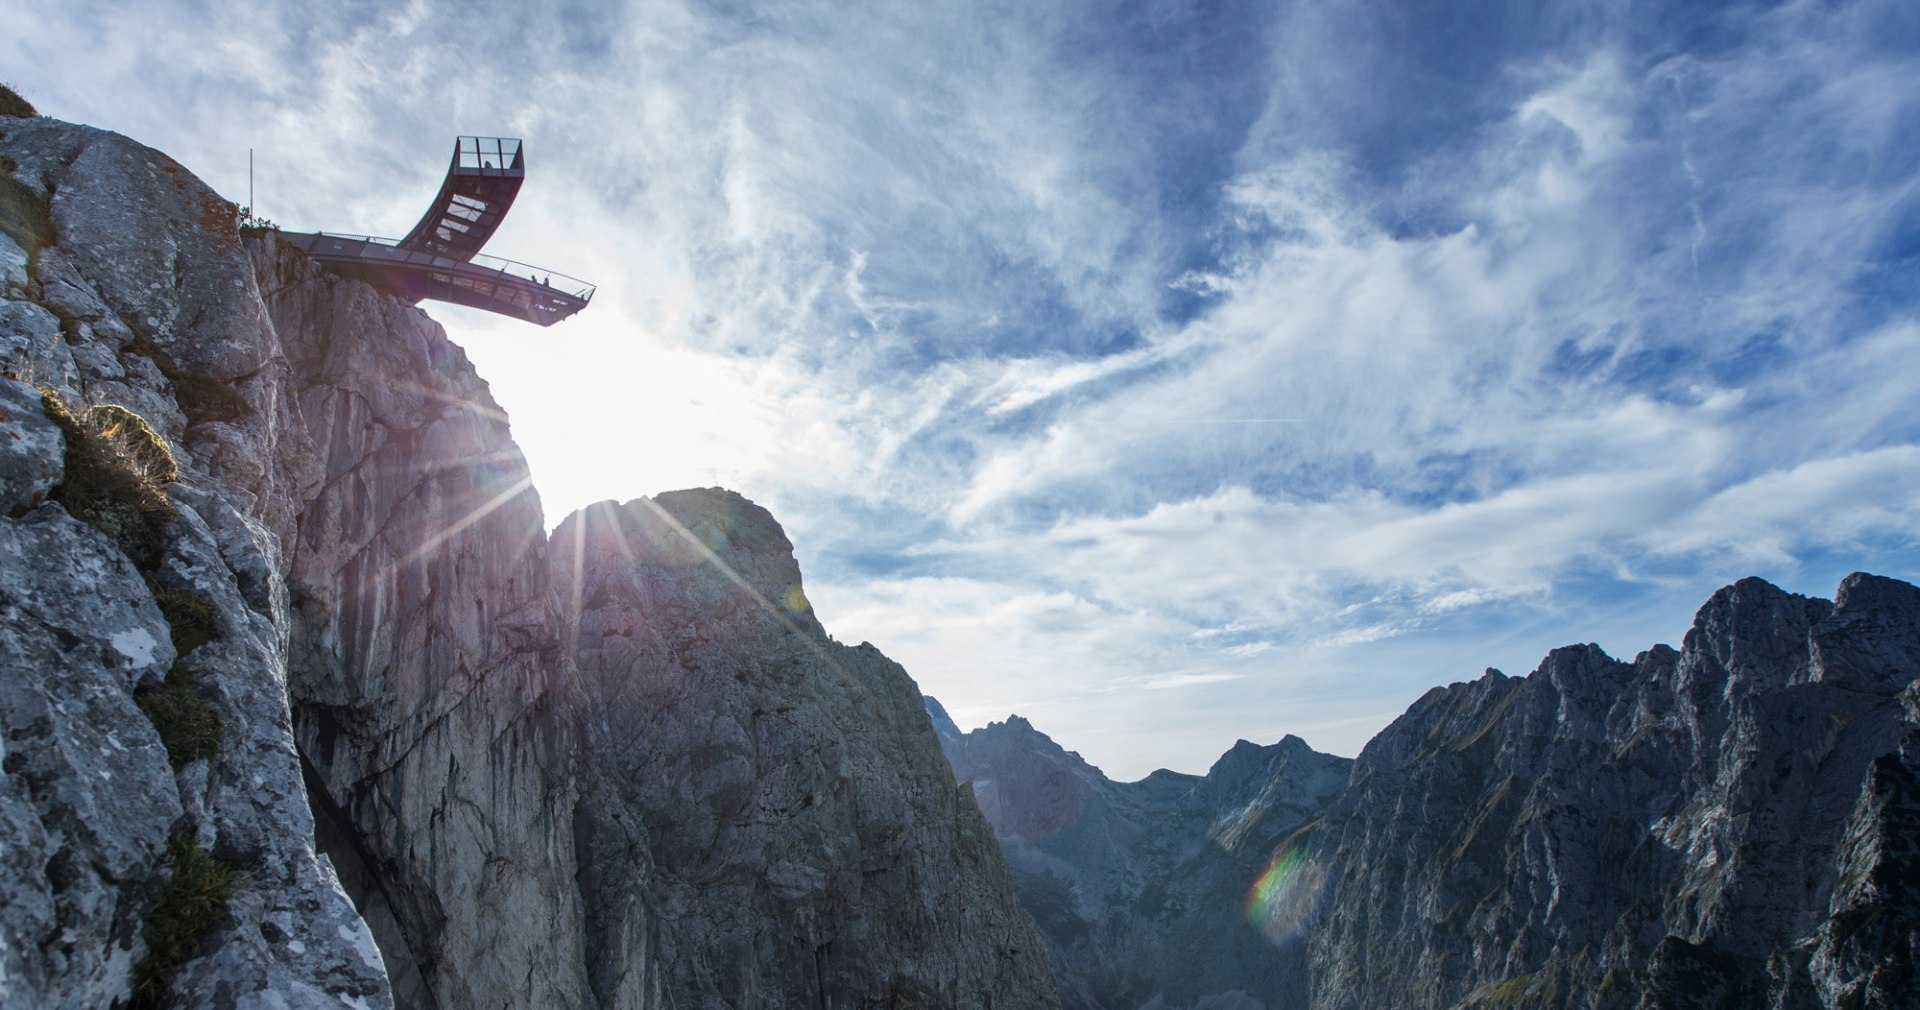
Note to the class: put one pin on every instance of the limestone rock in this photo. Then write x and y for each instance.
(291, 936)
(806, 842)
(431, 704)
(1707, 827)
(13, 266)
(83, 631)
(156, 245)
(31, 348)
(31, 448)
(1735, 823)
(86, 802)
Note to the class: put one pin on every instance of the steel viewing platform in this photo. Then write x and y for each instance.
(440, 258)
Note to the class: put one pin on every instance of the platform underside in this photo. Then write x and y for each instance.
(416, 276)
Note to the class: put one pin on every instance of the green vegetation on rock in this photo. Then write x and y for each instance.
(189, 727)
(190, 618)
(1542, 988)
(190, 904)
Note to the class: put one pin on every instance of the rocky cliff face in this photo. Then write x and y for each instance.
(1141, 888)
(1733, 824)
(1726, 825)
(804, 838)
(344, 731)
(122, 292)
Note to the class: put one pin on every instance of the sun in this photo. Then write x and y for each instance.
(603, 412)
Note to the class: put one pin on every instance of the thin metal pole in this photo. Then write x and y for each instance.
(250, 209)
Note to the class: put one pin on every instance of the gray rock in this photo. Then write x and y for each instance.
(423, 800)
(1863, 954)
(13, 267)
(156, 245)
(430, 702)
(805, 842)
(88, 801)
(1692, 829)
(291, 922)
(91, 833)
(31, 348)
(1732, 824)
(61, 287)
(31, 448)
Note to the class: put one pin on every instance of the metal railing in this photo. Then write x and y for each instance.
(571, 286)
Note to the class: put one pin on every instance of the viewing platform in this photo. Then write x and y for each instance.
(440, 258)
(483, 282)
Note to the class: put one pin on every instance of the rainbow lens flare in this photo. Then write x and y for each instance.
(1285, 897)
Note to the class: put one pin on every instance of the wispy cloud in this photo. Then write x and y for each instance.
(1282, 357)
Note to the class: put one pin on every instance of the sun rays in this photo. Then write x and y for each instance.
(479, 512)
(621, 529)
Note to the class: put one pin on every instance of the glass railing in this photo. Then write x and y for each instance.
(488, 152)
(391, 249)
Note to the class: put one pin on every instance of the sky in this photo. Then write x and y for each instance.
(1168, 373)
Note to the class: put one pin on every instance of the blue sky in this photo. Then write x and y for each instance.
(1167, 373)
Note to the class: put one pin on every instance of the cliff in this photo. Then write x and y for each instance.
(1732, 824)
(1729, 824)
(314, 715)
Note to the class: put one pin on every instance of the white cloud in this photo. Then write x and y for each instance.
(1448, 360)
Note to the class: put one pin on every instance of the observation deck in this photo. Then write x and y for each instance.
(440, 258)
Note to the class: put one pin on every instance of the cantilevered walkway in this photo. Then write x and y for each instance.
(440, 258)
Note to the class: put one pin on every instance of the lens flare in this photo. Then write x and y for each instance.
(1285, 897)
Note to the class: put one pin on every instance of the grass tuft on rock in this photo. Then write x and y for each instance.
(189, 728)
(188, 908)
(189, 617)
(117, 466)
(14, 106)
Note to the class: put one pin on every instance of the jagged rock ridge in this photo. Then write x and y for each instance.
(594, 774)
(1139, 887)
(1732, 824)
(1709, 827)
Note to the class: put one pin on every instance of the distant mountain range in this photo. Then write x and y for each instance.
(1734, 824)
